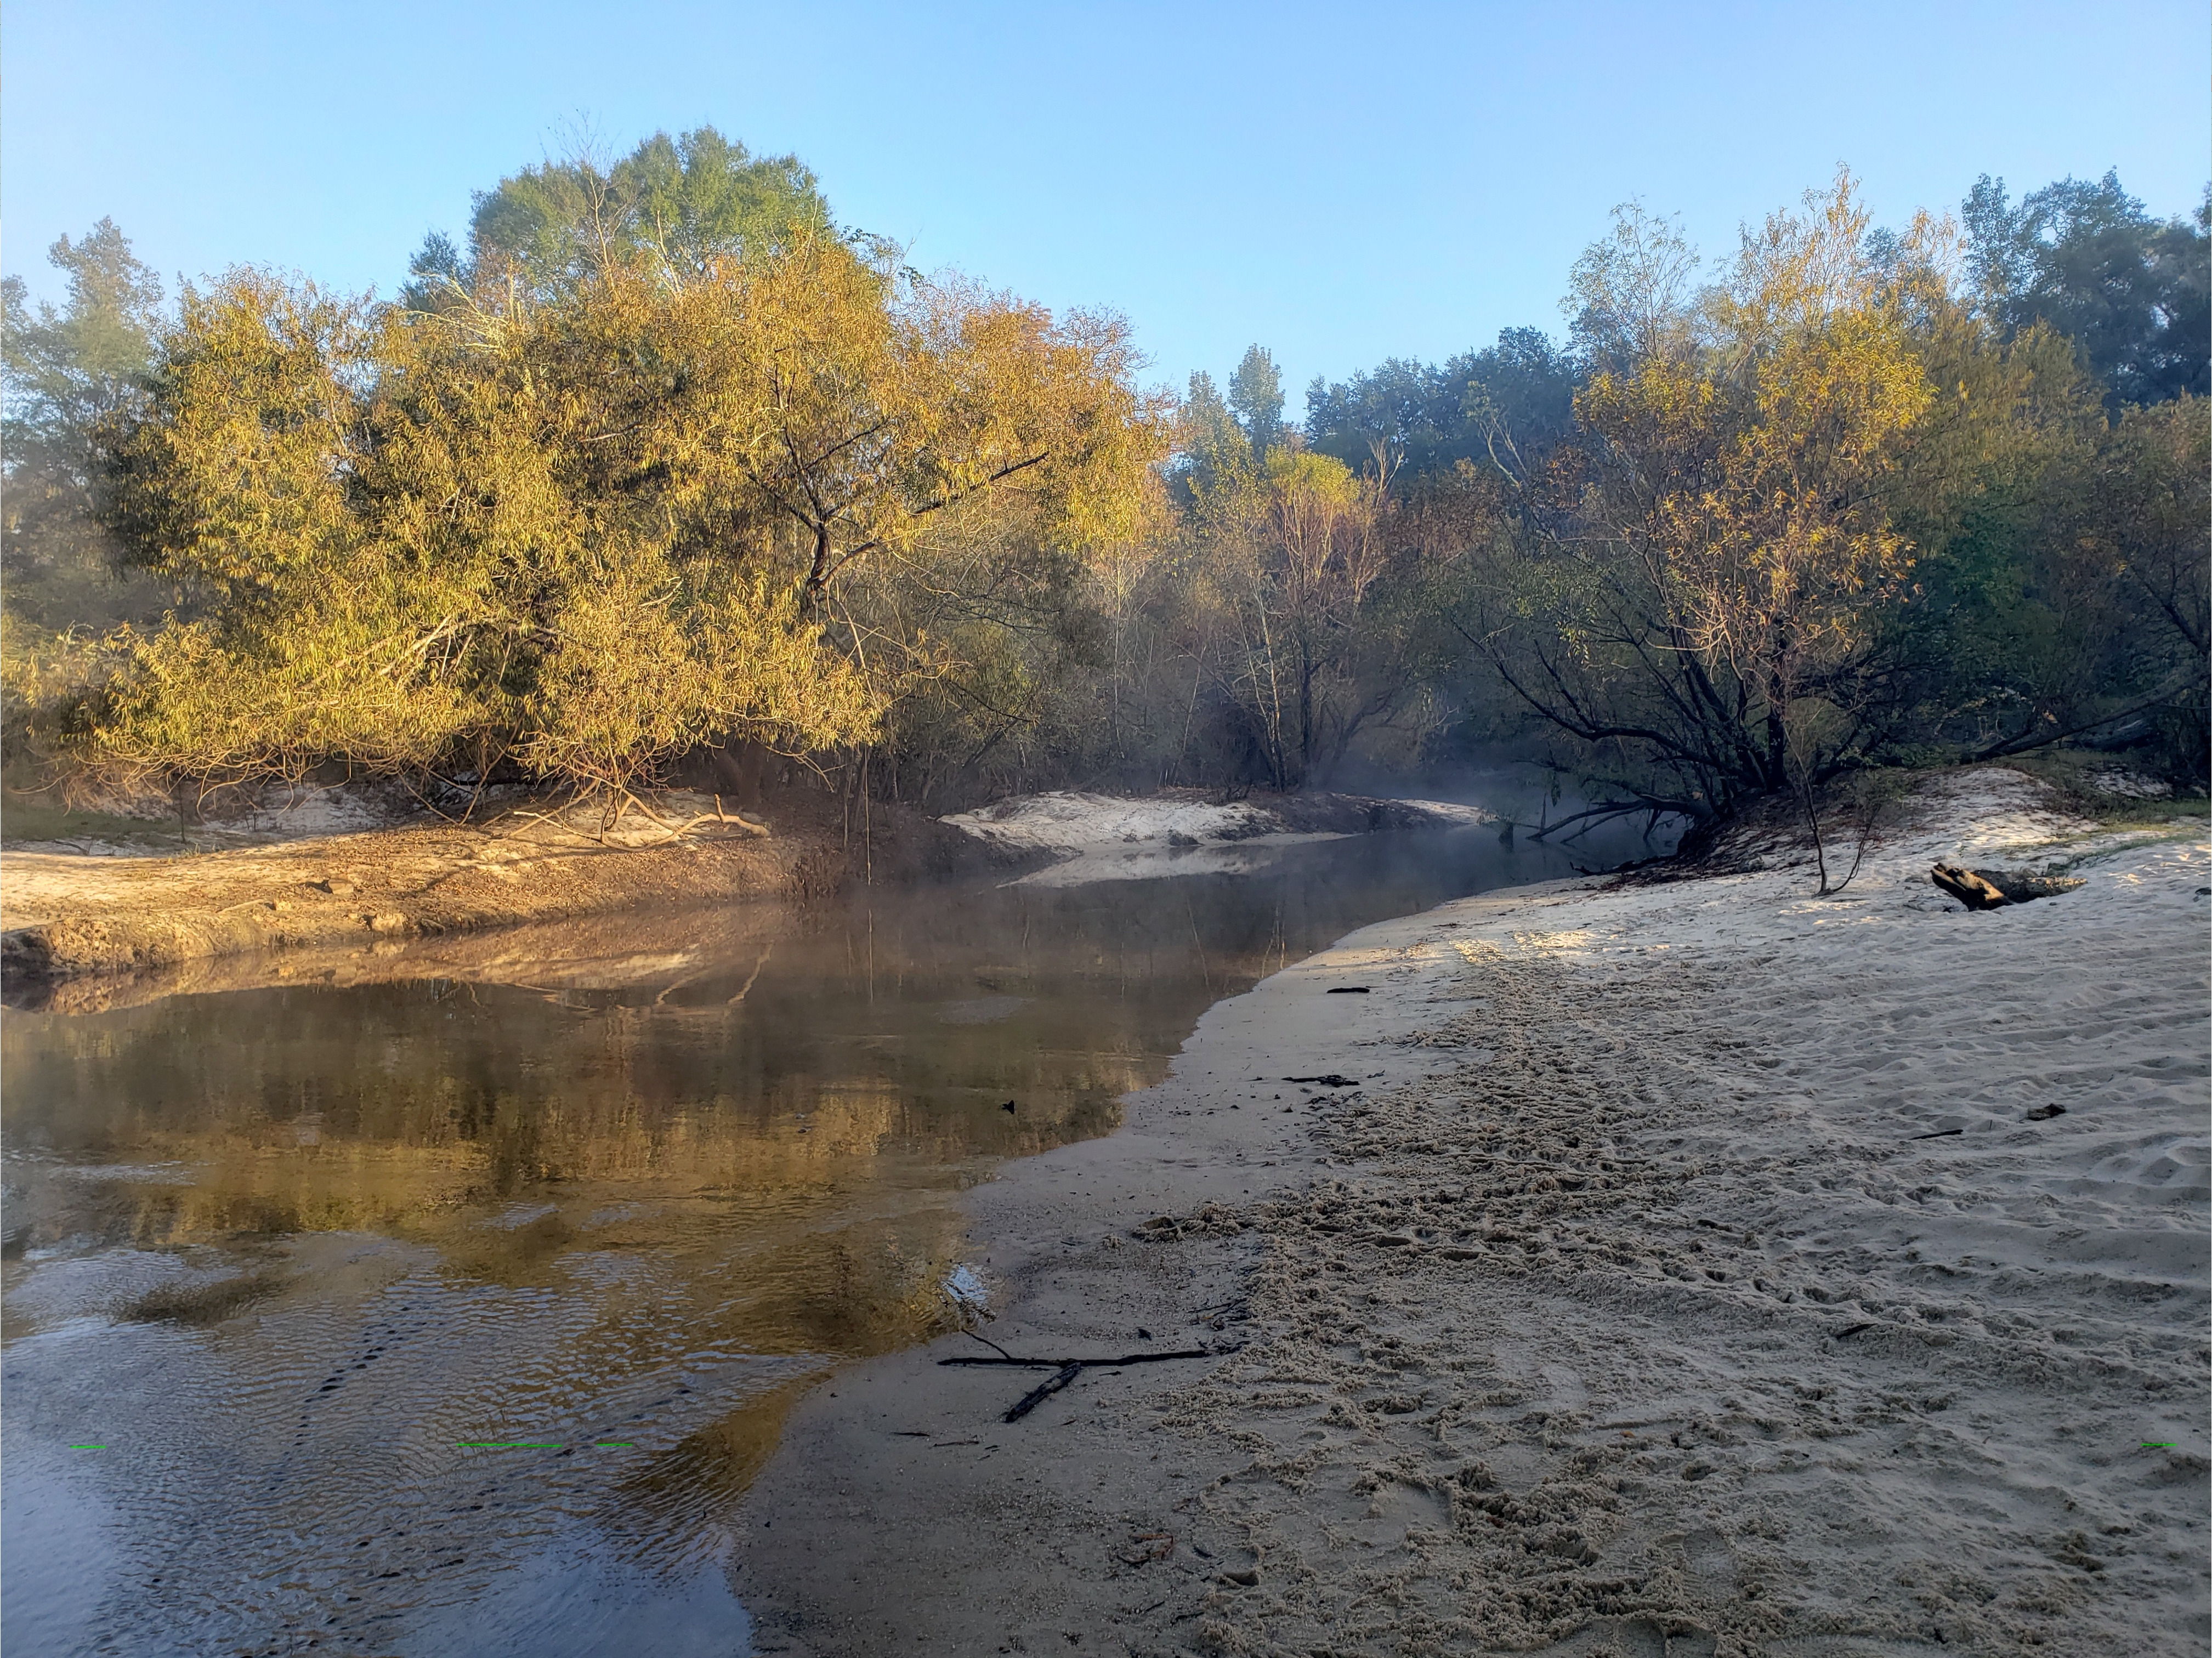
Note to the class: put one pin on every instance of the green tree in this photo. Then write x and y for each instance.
(1256, 393)
(66, 371)
(1211, 448)
(2133, 293)
(1508, 403)
(687, 202)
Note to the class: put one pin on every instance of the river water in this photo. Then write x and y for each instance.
(444, 1299)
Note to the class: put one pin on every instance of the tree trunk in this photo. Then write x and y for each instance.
(816, 587)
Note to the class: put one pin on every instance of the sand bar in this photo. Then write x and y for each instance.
(1684, 1268)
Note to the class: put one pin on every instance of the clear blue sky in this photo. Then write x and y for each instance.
(1343, 183)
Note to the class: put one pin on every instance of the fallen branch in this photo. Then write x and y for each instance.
(1968, 888)
(1080, 1364)
(2056, 733)
(1037, 1395)
(1990, 889)
(1606, 811)
(1064, 1372)
(677, 831)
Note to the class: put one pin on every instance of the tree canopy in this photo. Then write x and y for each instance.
(1507, 401)
(1697, 582)
(685, 203)
(582, 532)
(2133, 293)
(661, 459)
(67, 370)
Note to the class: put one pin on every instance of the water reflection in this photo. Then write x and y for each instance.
(446, 1298)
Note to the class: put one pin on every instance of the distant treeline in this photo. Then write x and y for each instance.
(660, 460)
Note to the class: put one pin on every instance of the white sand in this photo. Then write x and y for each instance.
(1068, 821)
(1108, 837)
(1617, 1310)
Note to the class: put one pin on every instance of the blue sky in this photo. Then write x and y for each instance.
(1343, 183)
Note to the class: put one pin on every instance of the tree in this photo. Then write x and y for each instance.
(858, 406)
(1210, 446)
(583, 531)
(66, 371)
(2150, 533)
(1291, 560)
(1508, 403)
(1256, 393)
(2134, 294)
(686, 202)
(1693, 592)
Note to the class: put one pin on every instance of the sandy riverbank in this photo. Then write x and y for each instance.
(104, 910)
(1700, 1267)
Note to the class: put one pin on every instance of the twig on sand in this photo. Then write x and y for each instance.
(1080, 1364)
(1043, 1391)
(993, 1345)
(1065, 1371)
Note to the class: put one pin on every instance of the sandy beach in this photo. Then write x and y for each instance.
(1694, 1267)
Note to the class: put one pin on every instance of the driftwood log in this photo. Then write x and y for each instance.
(1968, 888)
(1989, 888)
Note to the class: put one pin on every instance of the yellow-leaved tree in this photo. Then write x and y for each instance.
(1290, 552)
(1696, 587)
(580, 532)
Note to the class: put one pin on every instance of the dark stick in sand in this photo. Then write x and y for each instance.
(1064, 1372)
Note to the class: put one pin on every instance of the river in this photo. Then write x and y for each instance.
(445, 1302)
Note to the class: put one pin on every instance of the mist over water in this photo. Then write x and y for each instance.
(284, 1252)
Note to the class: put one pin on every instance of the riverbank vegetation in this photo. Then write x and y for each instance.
(660, 464)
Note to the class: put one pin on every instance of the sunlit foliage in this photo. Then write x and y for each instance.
(659, 458)
(585, 532)
(1696, 583)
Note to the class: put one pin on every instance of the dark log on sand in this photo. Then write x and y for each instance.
(1968, 888)
(1989, 888)
(1066, 1371)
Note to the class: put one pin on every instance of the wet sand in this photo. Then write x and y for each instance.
(1698, 1267)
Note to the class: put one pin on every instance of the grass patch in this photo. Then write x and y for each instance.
(2073, 773)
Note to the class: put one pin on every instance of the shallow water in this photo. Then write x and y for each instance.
(446, 1302)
